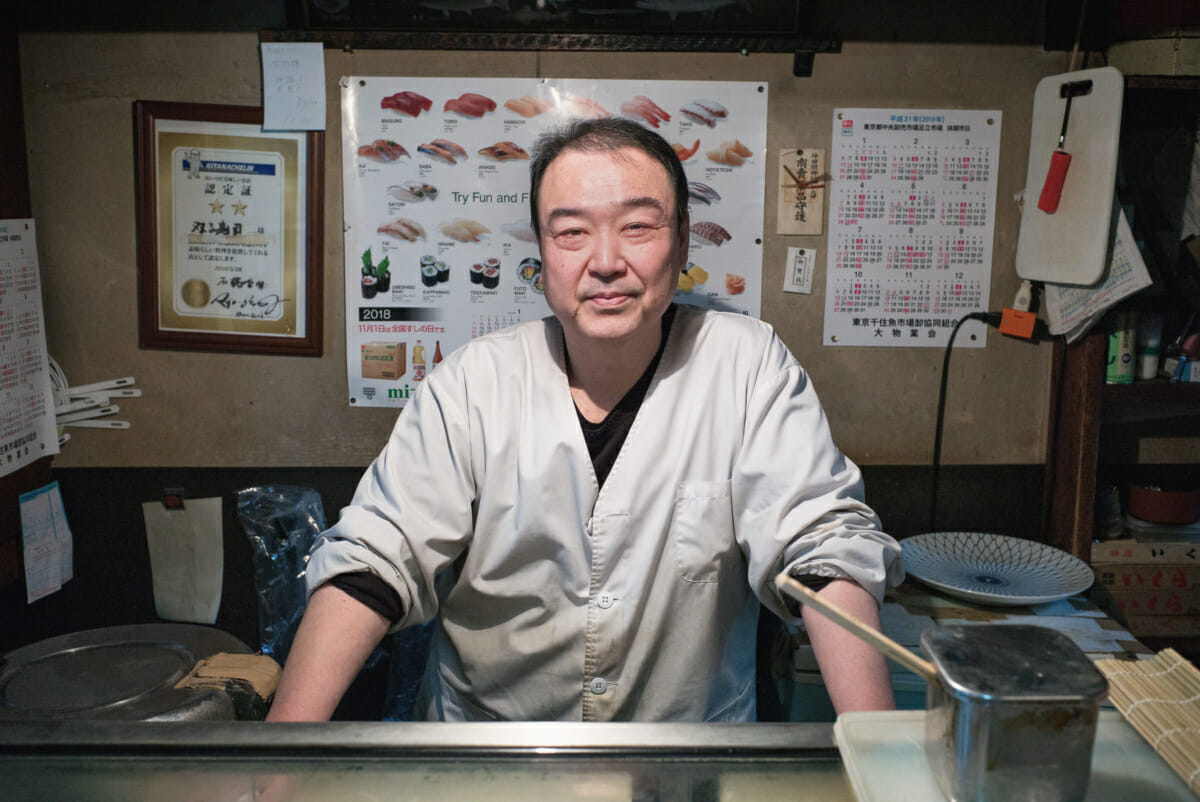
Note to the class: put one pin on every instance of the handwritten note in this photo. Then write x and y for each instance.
(46, 540)
(293, 86)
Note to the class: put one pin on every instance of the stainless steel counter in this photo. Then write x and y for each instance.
(383, 761)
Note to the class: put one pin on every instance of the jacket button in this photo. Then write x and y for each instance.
(605, 601)
(599, 685)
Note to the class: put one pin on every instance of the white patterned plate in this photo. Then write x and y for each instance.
(994, 569)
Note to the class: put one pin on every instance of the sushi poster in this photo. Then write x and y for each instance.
(438, 242)
(912, 212)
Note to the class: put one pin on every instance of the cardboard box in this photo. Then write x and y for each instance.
(1147, 576)
(1127, 550)
(1163, 626)
(1123, 603)
(382, 360)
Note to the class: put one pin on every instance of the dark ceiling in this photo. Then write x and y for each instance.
(1050, 23)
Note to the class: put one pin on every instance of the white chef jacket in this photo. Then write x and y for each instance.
(635, 601)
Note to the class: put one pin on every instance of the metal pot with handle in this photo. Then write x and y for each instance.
(1011, 710)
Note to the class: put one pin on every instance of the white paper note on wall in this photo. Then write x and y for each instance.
(46, 542)
(293, 86)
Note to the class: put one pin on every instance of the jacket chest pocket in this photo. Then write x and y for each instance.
(702, 530)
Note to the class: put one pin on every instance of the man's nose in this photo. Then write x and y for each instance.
(607, 255)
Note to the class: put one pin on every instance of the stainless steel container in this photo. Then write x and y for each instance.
(125, 673)
(1013, 716)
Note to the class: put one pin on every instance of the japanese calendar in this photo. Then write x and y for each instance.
(912, 203)
(27, 430)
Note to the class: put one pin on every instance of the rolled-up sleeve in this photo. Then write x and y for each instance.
(801, 502)
(410, 516)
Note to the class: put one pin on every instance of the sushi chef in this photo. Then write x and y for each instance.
(595, 505)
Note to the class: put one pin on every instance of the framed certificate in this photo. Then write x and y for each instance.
(230, 223)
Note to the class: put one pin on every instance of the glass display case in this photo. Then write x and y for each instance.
(530, 762)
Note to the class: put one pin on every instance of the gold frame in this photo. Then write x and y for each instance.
(277, 322)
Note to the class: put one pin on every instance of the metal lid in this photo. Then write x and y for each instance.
(126, 672)
(1001, 662)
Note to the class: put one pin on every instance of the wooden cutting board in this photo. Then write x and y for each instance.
(1071, 245)
(187, 559)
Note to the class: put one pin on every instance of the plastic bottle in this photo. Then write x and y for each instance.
(418, 362)
(1122, 326)
(1149, 344)
(437, 353)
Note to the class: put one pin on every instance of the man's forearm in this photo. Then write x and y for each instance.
(855, 674)
(335, 636)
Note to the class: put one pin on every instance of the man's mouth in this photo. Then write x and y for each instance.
(609, 299)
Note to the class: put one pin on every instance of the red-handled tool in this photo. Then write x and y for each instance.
(1060, 160)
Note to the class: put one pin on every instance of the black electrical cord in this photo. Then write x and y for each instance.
(993, 319)
(941, 411)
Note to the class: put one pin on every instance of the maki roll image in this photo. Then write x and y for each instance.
(443, 271)
(529, 269)
(477, 273)
(539, 284)
(429, 275)
(491, 277)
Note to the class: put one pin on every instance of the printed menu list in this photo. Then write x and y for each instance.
(438, 240)
(912, 215)
(27, 430)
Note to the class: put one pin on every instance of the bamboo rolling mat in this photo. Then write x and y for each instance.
(1160, 698)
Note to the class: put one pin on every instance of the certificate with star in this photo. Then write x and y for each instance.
(229, 247)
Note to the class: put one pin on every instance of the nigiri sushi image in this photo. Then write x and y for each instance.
(520, 230)
(409, 103)
(504, 151)
(734, 284)
(683, 152)
(528, 105)
(710, 233)
(443, 150)
(413, 191)
(647, 109)
(702, 193)
(384, 150)
(464, 230)
(731, 153)
(403, 228)
(582, 107)
(470, 104)
(698, 114)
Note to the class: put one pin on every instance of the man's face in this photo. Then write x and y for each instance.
(611, 251)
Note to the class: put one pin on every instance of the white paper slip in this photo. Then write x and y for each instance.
(187, 559)
(293, 86)
(46, 541)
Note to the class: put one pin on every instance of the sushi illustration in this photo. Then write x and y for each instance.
(383, 150)
(519, 230)
(734, 284)
(528, 105)
(710, 233)
(464, 230)
(444, 150)
(504, 151)
(403, 228)
(647, 109)
(731, 153)
(683, 152)
(409, 103)
(413, 191)
(470, 104)
(582, 107)
(702, 193)
(529, 269)
(705, 112)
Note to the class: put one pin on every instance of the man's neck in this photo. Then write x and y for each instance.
(601, 373)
